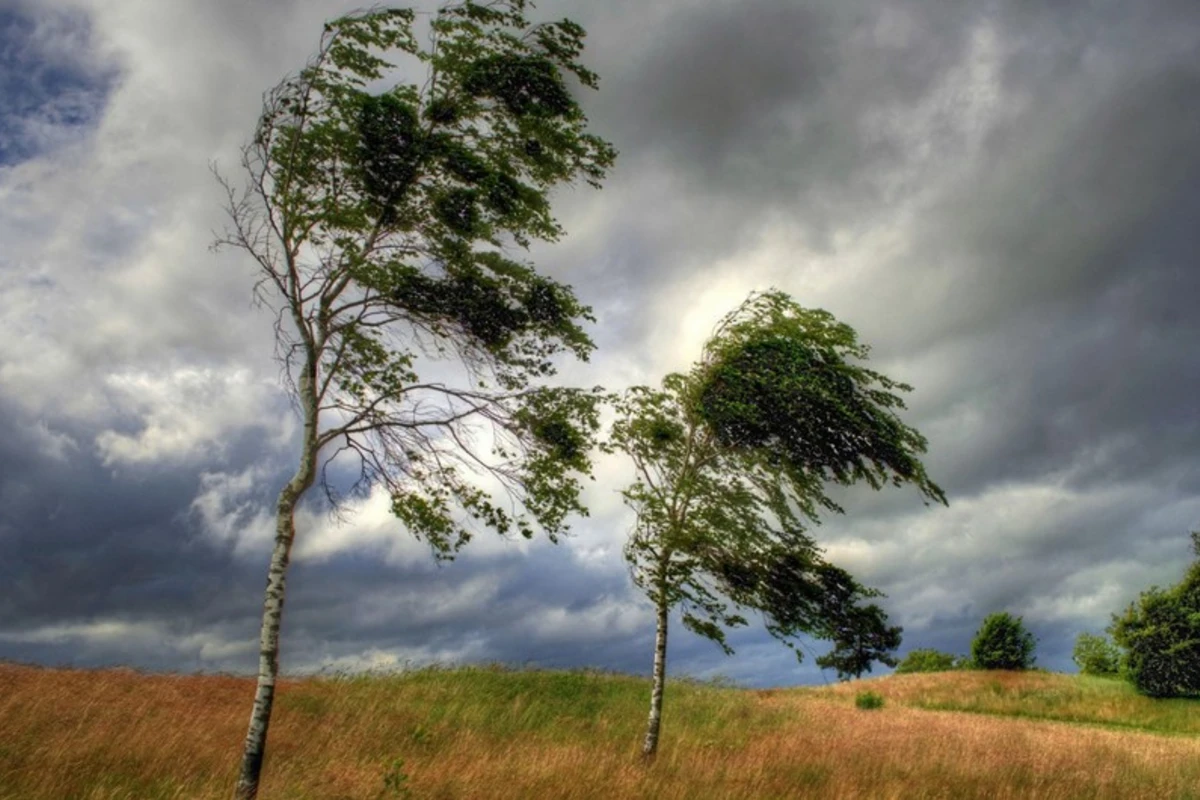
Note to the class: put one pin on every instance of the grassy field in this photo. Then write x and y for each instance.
(494, 733)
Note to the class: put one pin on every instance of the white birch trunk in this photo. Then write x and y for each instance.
(285, 534)
(650, 746)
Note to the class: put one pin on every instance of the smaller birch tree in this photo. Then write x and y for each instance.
(731, 462)
(383, 221)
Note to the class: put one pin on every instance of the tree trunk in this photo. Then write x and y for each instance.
(650, 746)
(268, 658)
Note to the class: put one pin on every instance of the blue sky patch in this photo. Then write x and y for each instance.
(51, 87)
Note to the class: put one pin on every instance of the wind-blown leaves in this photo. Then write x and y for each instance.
(732, 461)
(400, 208)
(384, 222)
(783, 379)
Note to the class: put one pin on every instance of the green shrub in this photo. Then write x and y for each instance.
(927, 660)
(1096, 655)
(1160, 635)
(1162, 645)
(1003, 643)
(1161, 640)
(868, 700)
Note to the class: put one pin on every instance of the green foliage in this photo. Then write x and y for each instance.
(1095, 655)
(1160, 635)
(1002, 642)
(723, 506)
(928, 660)
(824, 601)
(384, 219)
(780, 380)
(868, 701)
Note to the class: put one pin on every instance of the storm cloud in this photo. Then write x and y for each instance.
(1000, 197)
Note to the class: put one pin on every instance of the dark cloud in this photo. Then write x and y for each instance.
(104, 567)
(1001, 198)
(768, 99)
(81, 542)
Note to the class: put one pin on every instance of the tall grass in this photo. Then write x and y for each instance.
(493, 733)
(1085, 699)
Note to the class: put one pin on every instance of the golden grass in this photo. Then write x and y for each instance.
(1035, 695)
(488, 733)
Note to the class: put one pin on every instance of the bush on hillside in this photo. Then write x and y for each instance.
(868, 701)
(928, 660)
(1160, 635)
(1161, 638)
(1096, 655)
(1002, 642)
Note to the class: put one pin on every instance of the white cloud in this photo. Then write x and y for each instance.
(447, 602)
(210, 647)
(393, 658)
(229, 514)
(52, 443)
(99, 632)
(187, 413)
(607, 618)
(1046, 537)
(115, 635)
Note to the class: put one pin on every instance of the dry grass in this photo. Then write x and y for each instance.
(488, 733)
(1108, 702)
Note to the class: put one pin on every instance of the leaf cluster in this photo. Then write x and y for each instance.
(782, 380)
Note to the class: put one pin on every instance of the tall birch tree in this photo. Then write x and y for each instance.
(383, 220)
(731, 462)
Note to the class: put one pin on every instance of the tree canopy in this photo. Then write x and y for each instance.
(1095, 655)
(928, 660)
(384, 221)
(731, 464)
(1160, 634)
(1002, 642)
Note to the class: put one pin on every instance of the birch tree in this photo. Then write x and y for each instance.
(384, 221)
(731, 462)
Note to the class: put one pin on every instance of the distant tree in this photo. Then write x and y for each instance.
(731, 460)
(382, 220)
(1002, 642)
(1095, 655)
(927, 660)
(860, 633)
(800, 594)
(1160, 635)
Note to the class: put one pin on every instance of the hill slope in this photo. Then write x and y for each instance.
(494, 733)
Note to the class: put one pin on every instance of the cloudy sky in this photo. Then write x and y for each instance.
(1003, 198)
